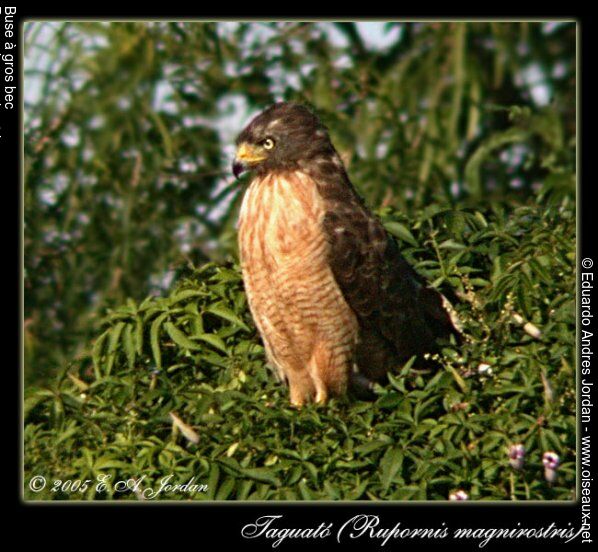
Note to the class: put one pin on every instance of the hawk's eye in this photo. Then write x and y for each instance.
(268, 143)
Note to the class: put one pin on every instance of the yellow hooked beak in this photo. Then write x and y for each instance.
(246, 156)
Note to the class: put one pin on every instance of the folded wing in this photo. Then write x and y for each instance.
(399, 314)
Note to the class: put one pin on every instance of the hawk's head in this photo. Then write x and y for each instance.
(283, 137)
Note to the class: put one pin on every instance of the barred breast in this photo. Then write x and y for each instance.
(308, 329)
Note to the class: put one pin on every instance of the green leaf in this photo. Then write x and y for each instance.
(138, 336)
(97, 350)
(401, 231)
(155, 339)
(390, 465)
(187, 294)
(113, 340)
(129, 345)
(224, 312)
(213, 340)
(457, 377)
(180, 338)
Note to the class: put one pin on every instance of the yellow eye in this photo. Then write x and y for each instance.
(268, 143)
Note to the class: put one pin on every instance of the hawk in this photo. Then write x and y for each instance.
(335, 303)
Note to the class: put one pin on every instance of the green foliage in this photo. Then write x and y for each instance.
(129, 129)
(128, 188)
(178, 385)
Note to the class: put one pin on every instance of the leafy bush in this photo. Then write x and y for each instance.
(178, 385)
(128, 132)
(461, 135)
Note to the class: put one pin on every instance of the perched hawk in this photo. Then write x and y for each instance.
(333, 299)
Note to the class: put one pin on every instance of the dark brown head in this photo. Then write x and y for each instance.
(286, 136)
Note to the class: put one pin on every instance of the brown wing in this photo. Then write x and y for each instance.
(399, 314)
